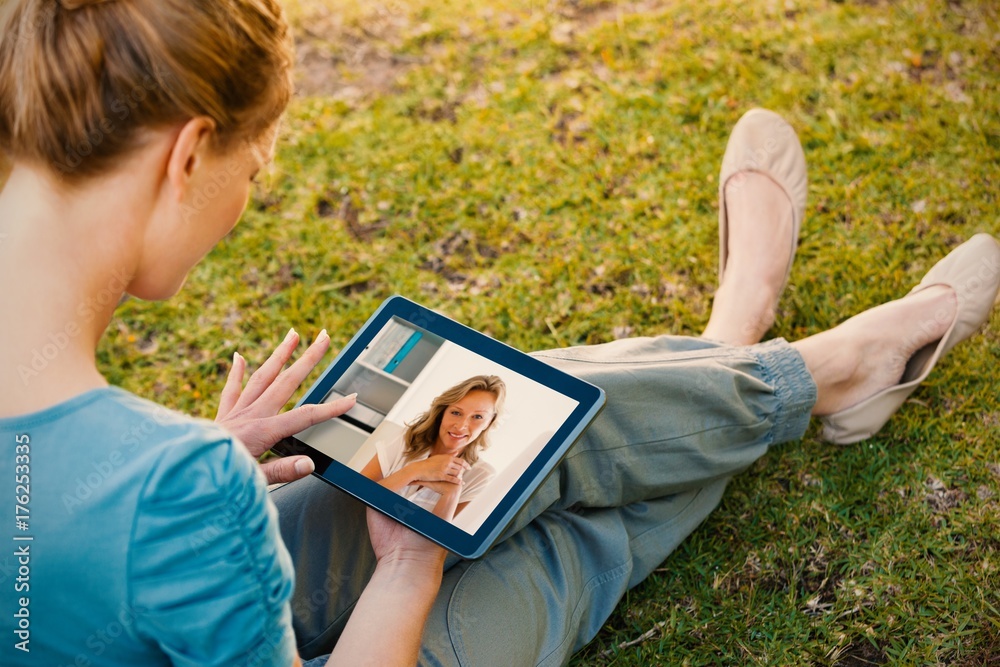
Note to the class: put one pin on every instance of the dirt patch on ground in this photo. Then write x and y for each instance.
(350, 60)
(323, 74)
(862, 653)
(582, 18)
(353, 59)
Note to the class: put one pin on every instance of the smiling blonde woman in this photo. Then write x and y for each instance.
(435, 462)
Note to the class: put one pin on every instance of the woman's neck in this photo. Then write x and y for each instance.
(65, 262)
(440, 448)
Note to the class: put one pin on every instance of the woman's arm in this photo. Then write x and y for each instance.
(447, 504)
(414, 473)
(373, 470)
(386, 625)
(438, 468)
(394, 482)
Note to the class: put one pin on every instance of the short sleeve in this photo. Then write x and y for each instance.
(390, 453)
(210, 580)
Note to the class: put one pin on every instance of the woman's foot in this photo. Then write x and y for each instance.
(869, 352)
(762, 200)
(759, 243)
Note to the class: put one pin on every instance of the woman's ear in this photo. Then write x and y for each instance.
(188, 153)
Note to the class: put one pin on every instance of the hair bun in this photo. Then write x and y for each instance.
(77, 96)
(72, 5)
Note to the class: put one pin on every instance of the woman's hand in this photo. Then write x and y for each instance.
(396, 545)
(388, 620)
(439, 468)
(251, 413)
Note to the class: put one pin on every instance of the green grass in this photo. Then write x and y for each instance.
(546, 172)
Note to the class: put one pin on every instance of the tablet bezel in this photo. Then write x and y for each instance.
(590, 400)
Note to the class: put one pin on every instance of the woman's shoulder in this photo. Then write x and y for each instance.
(115, 429)
(194, 449)
(110, 411)
(113, 424)
(389, 444)
(205, 553)
(151, 420)
(190, 456)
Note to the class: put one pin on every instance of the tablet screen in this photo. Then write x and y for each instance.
(435, 398)
(417, 394)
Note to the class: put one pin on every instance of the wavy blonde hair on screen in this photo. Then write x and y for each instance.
(421, 434)
(81, 79)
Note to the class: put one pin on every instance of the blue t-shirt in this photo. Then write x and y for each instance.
(143, 538)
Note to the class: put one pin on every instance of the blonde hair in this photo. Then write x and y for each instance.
(80, 79)
(421, 434)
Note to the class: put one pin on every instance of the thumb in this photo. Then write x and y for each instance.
(287, 469)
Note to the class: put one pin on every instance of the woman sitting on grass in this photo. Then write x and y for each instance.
(135, 128)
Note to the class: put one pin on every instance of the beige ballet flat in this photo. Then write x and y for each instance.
(764, 142)
(972, 270)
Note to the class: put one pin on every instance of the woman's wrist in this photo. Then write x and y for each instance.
(414, 471)
(387, 623)
(399, 480)
(414, 581)
(427, 565)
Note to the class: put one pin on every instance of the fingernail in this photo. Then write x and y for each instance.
(236, 357)
(322, 334)
(304, 466)
(351, 396)
(290, 334)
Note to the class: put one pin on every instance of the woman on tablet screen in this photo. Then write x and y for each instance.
(436, 463)
(135, 129)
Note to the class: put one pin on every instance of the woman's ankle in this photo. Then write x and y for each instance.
(869, 352)
(741, 316)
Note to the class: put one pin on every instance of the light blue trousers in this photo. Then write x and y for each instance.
(683, 416)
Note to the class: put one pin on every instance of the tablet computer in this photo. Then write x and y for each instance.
(452, 430)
